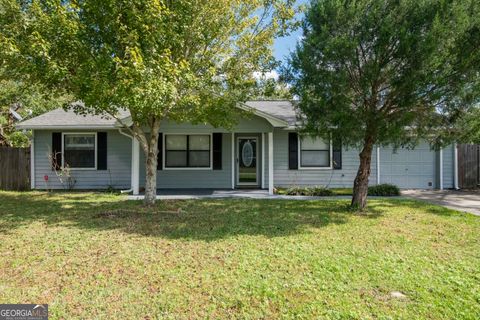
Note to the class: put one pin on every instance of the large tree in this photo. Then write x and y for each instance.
(385, 72)
(27, 101)
(180, 60)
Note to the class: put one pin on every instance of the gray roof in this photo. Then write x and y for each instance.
(281, 109)
(61, 119)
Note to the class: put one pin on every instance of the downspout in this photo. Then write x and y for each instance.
(131, 180)
(455, 166)
(32, 161)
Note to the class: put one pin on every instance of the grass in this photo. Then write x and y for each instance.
(97, 256)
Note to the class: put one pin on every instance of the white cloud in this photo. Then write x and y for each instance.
(266, 75)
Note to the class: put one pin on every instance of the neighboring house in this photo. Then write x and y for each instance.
(11, 116)
(262, 151)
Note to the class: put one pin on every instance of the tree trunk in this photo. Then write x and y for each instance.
(151, 165)
(360, 185)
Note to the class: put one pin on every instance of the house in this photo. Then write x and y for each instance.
(263, 151)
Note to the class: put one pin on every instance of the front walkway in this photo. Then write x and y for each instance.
(466, 201)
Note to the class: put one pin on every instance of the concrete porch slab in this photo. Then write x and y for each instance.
(182, 194)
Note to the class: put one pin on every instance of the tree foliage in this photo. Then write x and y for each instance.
(386, 72)
(183, 60)
(27, 101)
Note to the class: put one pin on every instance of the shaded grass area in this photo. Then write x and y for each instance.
(98, 256)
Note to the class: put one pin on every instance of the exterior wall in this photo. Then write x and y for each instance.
(192, 178)
(117, 175)
(343, 178)
(205, 178)
(421, 163)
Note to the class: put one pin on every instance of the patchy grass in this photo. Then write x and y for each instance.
(97, 256)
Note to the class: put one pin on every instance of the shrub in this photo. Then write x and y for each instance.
(308, 191)
(384, 190)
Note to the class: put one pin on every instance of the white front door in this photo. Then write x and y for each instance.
(247, 168)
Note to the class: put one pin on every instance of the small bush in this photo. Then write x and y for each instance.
(308, 191)
(384, 190)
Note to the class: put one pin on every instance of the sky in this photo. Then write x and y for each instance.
(285, 45)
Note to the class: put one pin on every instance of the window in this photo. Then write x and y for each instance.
(187, 151)
(315, 153)
(79, 150)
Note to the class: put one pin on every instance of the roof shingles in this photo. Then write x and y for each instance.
(59, 118)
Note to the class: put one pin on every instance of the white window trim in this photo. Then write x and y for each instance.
(78, 133)
(313, 168)
(164, 151)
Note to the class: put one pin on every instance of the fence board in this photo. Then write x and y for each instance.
(14, 168)
(469, 166)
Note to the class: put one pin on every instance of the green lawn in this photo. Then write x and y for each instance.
(98, 256)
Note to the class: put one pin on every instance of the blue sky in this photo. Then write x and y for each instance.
(283, 46)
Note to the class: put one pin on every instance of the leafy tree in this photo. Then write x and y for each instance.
(270, 88)
(27, 101)
(468, 127)
(386, 72)
(182, 60)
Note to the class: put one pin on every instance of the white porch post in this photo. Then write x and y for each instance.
(270, 163)
(441, 168)
(263, 160)
(32, 161)
(135, 166)
(233, 160)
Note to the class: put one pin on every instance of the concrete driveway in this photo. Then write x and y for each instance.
(466, 201)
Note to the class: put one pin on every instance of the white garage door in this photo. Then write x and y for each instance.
(408, 169)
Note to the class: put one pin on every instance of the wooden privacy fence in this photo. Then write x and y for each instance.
(14, 168)
(469, 166)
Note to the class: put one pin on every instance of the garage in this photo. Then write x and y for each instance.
(409, 169)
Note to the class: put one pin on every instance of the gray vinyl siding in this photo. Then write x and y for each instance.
(205, 178)
(119, 155)
(343, 178)
(250, 124)
(192, 178)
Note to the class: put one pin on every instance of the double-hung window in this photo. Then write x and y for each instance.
(187, 151)
(315, 153)
(79, 150)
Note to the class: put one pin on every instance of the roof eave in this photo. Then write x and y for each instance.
(64, 127)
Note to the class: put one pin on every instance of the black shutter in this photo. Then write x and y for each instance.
(56, 150)
(292, 151)
(160, 151)
(217, 151)
(101, 151)
(337, 154)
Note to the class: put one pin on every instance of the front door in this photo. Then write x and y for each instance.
(247, 174)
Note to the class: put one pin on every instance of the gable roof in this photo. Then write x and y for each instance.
(281, 109)
(278, 113)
